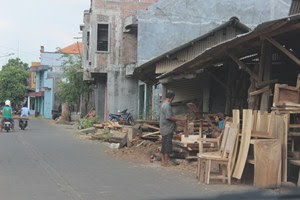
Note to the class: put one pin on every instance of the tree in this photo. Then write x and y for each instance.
(13, 83)
(73, 86)
(16, 62)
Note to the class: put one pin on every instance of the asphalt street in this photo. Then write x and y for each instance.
(47, 162)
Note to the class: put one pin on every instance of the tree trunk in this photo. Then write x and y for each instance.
(65, 113)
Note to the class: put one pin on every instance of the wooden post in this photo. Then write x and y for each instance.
(206, 94)
(252, 100)
(228, 105)
(265, 68)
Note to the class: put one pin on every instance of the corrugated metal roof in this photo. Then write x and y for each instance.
(295, 7)
(234, 22)
(242, 41)
(189, 53)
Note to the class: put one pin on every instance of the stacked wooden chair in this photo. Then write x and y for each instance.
(224, 157)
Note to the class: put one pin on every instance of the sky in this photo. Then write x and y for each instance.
(25, 25)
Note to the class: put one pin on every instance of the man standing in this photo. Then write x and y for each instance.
(167, 127)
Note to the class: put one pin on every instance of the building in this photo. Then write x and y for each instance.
(167, 26)
(47, 73)
(190, 87)
(110, 54)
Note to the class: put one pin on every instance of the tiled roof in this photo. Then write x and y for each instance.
(75, 48)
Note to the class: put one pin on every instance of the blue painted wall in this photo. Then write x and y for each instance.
(49, 97)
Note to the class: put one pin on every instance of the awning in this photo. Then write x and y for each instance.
(36, 94)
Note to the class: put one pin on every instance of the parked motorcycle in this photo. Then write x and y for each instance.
(122, 117)
(23, 123)
(7, 125)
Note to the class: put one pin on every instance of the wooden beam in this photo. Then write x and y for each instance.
(284, 50)
(257, 92)
(261, 59)
(243, 66)
(266, 83)
(286, 29)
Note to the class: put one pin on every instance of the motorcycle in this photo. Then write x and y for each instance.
(122, 117)
(23, 123)
(7, 125)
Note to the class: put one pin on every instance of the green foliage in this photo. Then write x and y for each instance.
(14, 81)
(89, 122)
(71, 89)
(16, 62)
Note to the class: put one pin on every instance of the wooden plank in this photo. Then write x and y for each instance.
(149, 134)
(254, 119)
(264, 122)
(294, 134)
(260, 91)
(284, 50)
(236, 120)
(258, 121)
(294, 125)
(284, 140)
(245, 143)
(251, 161)
(243, 66)
(295, 162)
(267, 162)
(150, 126)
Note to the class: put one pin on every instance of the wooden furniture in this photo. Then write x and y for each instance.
(223, 157)
(267, 162)
(244, 143)
(201, 163)
(296, 163)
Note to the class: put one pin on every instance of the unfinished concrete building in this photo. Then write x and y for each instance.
(110, 53)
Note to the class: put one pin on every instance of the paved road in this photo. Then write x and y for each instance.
(49, 162)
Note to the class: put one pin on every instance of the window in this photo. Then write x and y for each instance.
(102, 37)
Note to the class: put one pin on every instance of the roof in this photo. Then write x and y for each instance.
(243, 44)
(75, 48)
(295, 7)
(233, 21)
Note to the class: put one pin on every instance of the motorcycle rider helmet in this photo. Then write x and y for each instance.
(7, 102)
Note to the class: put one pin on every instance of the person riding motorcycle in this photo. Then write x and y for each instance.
(7, 114)
(24, 113)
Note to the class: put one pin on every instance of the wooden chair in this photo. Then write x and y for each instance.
(216, 140)
(221, 140)
(224, 156)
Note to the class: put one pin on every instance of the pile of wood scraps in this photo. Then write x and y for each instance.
(113, 132)
(150, 131)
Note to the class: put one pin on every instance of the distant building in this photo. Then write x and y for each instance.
(47, 73)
